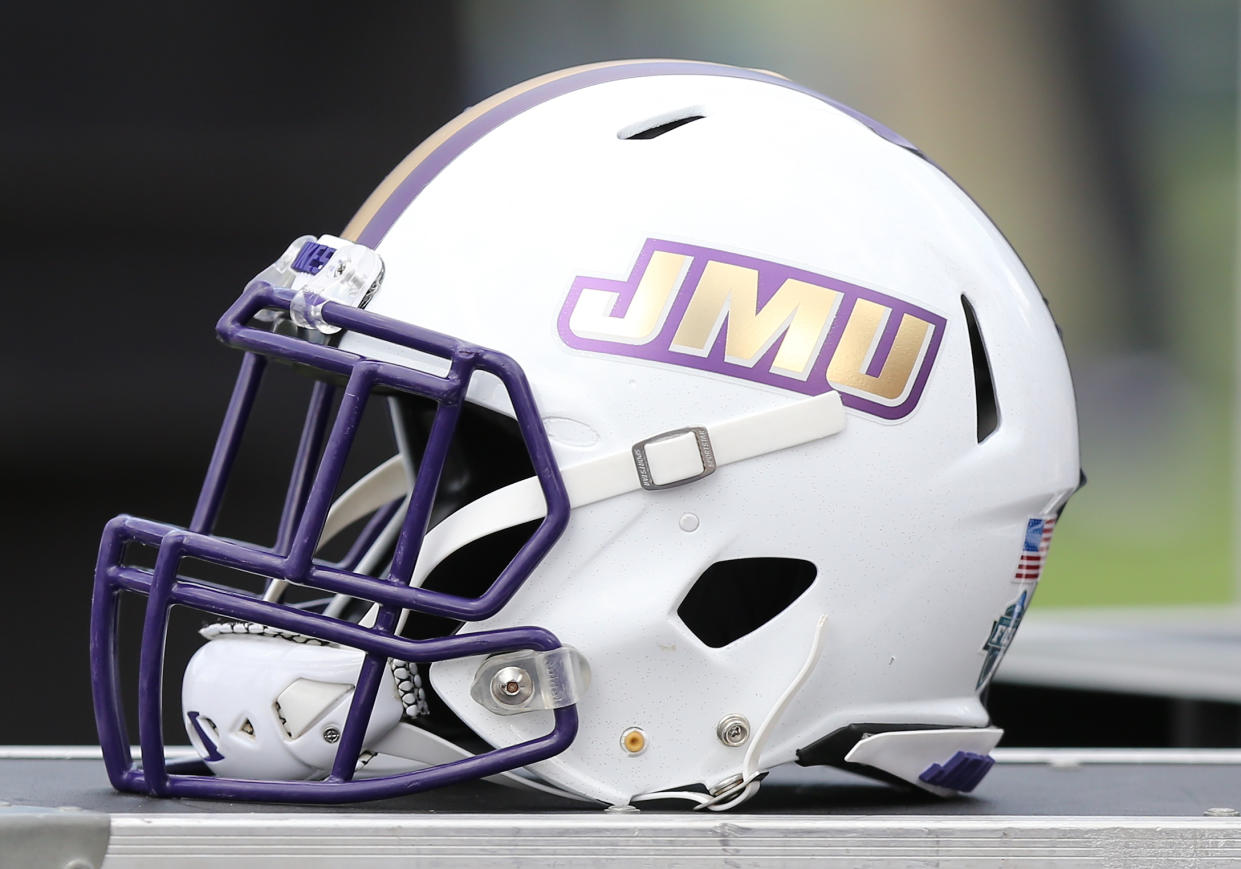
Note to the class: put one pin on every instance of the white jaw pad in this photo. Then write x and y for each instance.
(906, 754)
(265, 702)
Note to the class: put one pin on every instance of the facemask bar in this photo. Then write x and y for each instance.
(305, 510)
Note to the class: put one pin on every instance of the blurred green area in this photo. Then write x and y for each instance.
(1164, 536)
(1157, 523)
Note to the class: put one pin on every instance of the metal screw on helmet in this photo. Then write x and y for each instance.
(733, 730)
(331, 735)
(512, 686)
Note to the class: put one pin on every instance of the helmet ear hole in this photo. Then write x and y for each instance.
(737, 597)
(986, 409)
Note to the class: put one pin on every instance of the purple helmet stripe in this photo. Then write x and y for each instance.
(424, 170)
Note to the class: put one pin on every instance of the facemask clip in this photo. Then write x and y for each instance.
(524, 681)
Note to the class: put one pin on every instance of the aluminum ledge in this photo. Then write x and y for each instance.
(299, 841)
(1037, 807)
(52, 838)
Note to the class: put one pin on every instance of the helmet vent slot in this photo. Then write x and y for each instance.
(653, 128)
(737, 597)
(987, 412)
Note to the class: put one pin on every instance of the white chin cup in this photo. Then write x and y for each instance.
(266, 707)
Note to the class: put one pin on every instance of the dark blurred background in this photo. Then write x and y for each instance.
(153, 158)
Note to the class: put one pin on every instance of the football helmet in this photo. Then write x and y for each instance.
(728, 433)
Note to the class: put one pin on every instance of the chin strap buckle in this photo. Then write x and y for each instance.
(674, 458)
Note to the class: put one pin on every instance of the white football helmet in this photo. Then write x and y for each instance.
(768, 431)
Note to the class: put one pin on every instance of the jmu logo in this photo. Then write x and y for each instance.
(760, 321)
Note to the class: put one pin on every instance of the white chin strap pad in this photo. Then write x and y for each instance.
(259, 706)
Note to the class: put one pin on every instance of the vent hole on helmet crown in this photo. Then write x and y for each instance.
(737, 597)
(653, 128)
(987, 412)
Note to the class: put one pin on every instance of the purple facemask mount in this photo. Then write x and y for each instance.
(292, 558)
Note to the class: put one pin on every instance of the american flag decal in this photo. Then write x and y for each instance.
(1034, 549)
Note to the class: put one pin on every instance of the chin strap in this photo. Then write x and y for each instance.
(662, 461)
(746, 784)
(659, 462)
